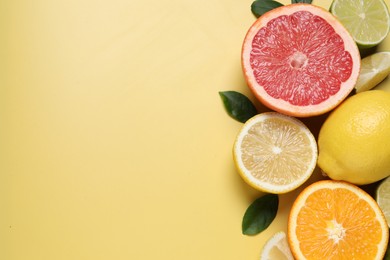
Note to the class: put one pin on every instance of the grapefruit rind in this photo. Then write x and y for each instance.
(279, 104)
(299, 203)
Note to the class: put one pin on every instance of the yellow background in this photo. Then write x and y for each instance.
(114, 143)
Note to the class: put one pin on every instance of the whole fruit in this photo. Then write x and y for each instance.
(354, 141)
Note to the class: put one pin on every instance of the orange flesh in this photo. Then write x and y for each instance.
(337, 224)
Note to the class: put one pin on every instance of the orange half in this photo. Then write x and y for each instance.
(336, 220)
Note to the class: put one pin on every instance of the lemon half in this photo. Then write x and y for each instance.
(275, 153)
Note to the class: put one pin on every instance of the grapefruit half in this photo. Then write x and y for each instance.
(300, 60)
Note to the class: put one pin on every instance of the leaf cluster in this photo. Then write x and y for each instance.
(260, 7)
(260, 214)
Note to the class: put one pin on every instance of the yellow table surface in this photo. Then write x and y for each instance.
(114, 143)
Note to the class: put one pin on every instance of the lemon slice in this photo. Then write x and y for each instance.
(367, 21)
(374, 69)
(383, 198)
(277, 248)
(275, 153)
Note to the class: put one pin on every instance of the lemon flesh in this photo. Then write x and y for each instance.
(354, 141)
(275, 153)
(277, 248)
(367, 21)
(374, 69)
(383, 198)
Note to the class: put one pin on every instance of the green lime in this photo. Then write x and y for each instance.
(383, 198)
(367, 21)
(373, 70)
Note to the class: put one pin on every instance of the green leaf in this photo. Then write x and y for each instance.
(260, 214)
(301, 1)
(238, 106)
(260, 7)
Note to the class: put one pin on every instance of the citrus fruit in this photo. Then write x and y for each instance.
(354, 140)
(300, 60)
(367, 21)
(383, 198)
(274, 152)
(336, 220)
(276, 248)
(374, 69)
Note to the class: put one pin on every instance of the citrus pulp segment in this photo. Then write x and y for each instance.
(275, 153)
(336, 220)
(300, 60)
(383, 198)
(277, 248)
(374, 69)
(367, 21)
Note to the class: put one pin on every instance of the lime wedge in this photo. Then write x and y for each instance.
(367, 21)
(374, 69)
(383, 198)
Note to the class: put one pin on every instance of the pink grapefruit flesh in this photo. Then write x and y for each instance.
(299, 60)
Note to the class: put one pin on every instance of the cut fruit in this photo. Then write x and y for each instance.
(367, 21)
(275, 153)
(300, 60)
(383, 198)
(277, 248)
(336, 220)
(374, 69)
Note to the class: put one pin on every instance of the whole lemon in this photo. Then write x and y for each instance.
(354, 141)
